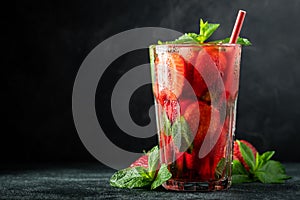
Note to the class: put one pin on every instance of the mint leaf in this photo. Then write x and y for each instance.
(247, 155)
(240, 174)
(262, 159)
(206, 30)
(241, 178)
(162, 176)
(238, 168)
(166, 124)
(266, 156)
(131, 178)
(182, 135)
(271, 172)
(187, 38)
(241, 41)
(153, 159)
(220, 168)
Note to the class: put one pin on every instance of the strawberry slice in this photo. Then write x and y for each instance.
(198, 116)
(219, 151)
(167, 148)
(217, 54)
(169, 102)
(237, 153)
(141, 161)
(189, 160)
(179, 163)
(170, 72)
(177, 71)
(192, 116)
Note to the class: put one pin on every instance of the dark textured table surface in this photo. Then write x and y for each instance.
(90, 181)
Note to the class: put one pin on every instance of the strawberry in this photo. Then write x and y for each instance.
(170, 72)
(204, 168)
(209, 60)
(219, 150)
(141, 161)
(217, 54)
(169, 102)
(231, 76)
(189, 160)
(237, 153)
(198, 116)
(167, 147)
(179, 163)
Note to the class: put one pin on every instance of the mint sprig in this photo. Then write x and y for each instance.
(262, 168)
(136, 177)
(206, 30)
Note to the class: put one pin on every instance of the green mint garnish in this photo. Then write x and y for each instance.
(153, 159)
(136, 177)
(262, 168)
(131, 178)
(241, 41)
(206, 30)
(163, 175)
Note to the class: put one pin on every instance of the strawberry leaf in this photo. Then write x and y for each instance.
(247, 155)
(162, 176)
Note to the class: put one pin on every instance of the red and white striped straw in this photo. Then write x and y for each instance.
(237, 26)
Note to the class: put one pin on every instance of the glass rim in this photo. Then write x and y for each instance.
(196, 45)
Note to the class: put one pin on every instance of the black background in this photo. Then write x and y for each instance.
(46, 42)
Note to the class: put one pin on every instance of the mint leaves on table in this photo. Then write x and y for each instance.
(137, 176)
(163, 175)
(262, 168)
(206, 30)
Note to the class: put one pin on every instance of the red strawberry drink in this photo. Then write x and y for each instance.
(195, 88)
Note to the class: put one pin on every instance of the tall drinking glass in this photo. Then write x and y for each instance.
(195, 87)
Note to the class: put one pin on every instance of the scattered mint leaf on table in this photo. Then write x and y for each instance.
(137, 177)
(271, 172)
(153, 160)
(163, 175)
(131, 178)
(262, 168)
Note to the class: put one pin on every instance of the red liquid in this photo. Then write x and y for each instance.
(195, 89)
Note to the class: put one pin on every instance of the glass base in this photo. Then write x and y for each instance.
(204, 186)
